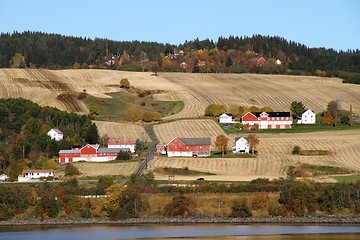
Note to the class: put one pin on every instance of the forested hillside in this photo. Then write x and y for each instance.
(24, 142)
(232, 54)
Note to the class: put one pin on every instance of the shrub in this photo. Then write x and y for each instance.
(124, 83)
(296, 150)
(71, 170)
(123, 155)
(179, 206)
(240, 209)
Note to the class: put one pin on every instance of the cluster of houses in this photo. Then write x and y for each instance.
(270, 120)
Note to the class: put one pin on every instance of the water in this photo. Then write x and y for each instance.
(228, 231)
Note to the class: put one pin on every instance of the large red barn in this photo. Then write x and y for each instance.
(270, 120)
(189, 147)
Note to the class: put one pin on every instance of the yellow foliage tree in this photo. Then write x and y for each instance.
(114, 193)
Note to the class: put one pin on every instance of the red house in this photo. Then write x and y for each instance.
(189, 147)
(270, 120)
(259, 60)
(90, 153)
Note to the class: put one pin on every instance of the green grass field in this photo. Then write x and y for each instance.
(348, 179)
(115, 107)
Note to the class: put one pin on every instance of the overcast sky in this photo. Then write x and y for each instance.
(315, 23)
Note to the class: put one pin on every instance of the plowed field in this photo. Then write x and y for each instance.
(120, 131)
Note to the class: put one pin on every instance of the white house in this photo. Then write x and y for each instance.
(278, 62)
(122, 144)
(31, 175)
(241, 145)
(56, 134)
(307, 117)
(224, 119)
(3, 177)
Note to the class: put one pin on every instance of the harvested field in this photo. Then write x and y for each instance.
(101, 169)
(127, 131)
(199, 128)
(274, 156)
(196, 90)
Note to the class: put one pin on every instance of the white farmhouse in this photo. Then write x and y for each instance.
(31, 175)
(307, 117)
(122, 144)
(241, 145)
(3, 177)
(278, 62)
(225, 119)
(56, 134)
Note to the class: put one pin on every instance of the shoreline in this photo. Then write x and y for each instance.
(328, 220)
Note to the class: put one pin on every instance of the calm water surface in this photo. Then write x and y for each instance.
(228, 231)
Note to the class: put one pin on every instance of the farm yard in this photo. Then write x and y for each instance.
(195, 128)
(127, 131)
(274, 157)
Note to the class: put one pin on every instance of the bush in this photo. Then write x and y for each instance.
(215, 110)
(179, 206)
(123, 155)
(296, 150)
(71, 170)
(240, 209)
(276, 210)
(124, 83)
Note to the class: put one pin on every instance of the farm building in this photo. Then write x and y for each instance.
(270, 120)
(29, 175)
(307, 117)
(90, 153)
(122, 144)
(161, 148)
(55, 134)
(241, 145)
(189, 147)
(3, 177)
(259, 60)
(226, 119)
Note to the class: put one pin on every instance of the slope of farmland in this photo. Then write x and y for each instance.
(59, 88)
(199, 128)
(127, 131)
(275, 156)
(102, 169)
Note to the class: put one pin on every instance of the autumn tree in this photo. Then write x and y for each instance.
(155, 68)
(221, 143)
(18, 61)
(296, 108)
(124, 83)
(214, 110)
(111, 205)
(332, 109)
(266, 109)
(254, 109)
(350, 116)
(234, 110)
(253, 142)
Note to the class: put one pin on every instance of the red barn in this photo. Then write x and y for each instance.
(90, 153)
(189, 147)
(259, 60)
(270, 120)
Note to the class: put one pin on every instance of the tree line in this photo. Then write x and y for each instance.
(228, 54)
(24, 143)
(275, 198)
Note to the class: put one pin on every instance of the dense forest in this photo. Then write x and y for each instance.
(24, 143)
(232, 54)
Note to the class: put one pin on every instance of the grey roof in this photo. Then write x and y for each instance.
(273, 114)
(196, 141)
(69, 151)
(112, 150)
(57, 131)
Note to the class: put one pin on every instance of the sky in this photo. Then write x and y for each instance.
(315, 23)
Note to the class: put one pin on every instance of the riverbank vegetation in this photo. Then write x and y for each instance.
(143, 197)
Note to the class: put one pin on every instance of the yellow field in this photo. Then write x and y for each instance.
(59, 88)
(101, 169)
(275, 156)
(121, 131)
